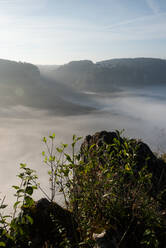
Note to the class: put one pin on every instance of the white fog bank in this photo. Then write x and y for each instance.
(141, 114)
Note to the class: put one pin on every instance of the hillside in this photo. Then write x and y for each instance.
(61, 89)
(135, 72)
(21, 84)
(111, 74)
(17, 80)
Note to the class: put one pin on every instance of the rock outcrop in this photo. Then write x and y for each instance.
(144, 155)
(53, 224)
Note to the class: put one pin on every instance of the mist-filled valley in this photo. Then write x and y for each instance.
(77, 98)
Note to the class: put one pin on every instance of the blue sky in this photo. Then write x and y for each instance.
(58, 31)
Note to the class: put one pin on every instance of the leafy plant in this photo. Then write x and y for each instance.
(108, 191)
(13, 227)
(61, 165)
(103, 187)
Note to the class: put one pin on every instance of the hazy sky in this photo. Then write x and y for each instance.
(58, 31)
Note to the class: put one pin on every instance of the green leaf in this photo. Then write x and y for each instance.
(52, 136)
(29, 218)
(34, 187)
(15, 187)
(127, 167)
(2, 244)
(65, 145)
(20, 191)
(21, 175)
(51, 158)
(147, 232)
(43, 153)
(29, 201)
(66, 172)
(60, 150)
(29, 190)
(21, 231)
(15, 204)
(68, 157)
(90, 148)
(44, 139)
(22, 165)
(79, 138)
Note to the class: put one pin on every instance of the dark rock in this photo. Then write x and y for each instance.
(51, 224)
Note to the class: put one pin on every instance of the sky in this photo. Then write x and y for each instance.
(59, 31)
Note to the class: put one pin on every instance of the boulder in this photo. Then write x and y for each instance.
(51, 225)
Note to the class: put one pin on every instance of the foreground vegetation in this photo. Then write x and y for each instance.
(116, 188)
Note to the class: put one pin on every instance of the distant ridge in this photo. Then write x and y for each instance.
(22, 84)
(129, 61)
(84, 75)
(112, 74)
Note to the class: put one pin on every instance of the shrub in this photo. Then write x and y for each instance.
(104, 189)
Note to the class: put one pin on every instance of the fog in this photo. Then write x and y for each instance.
(141, 113)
